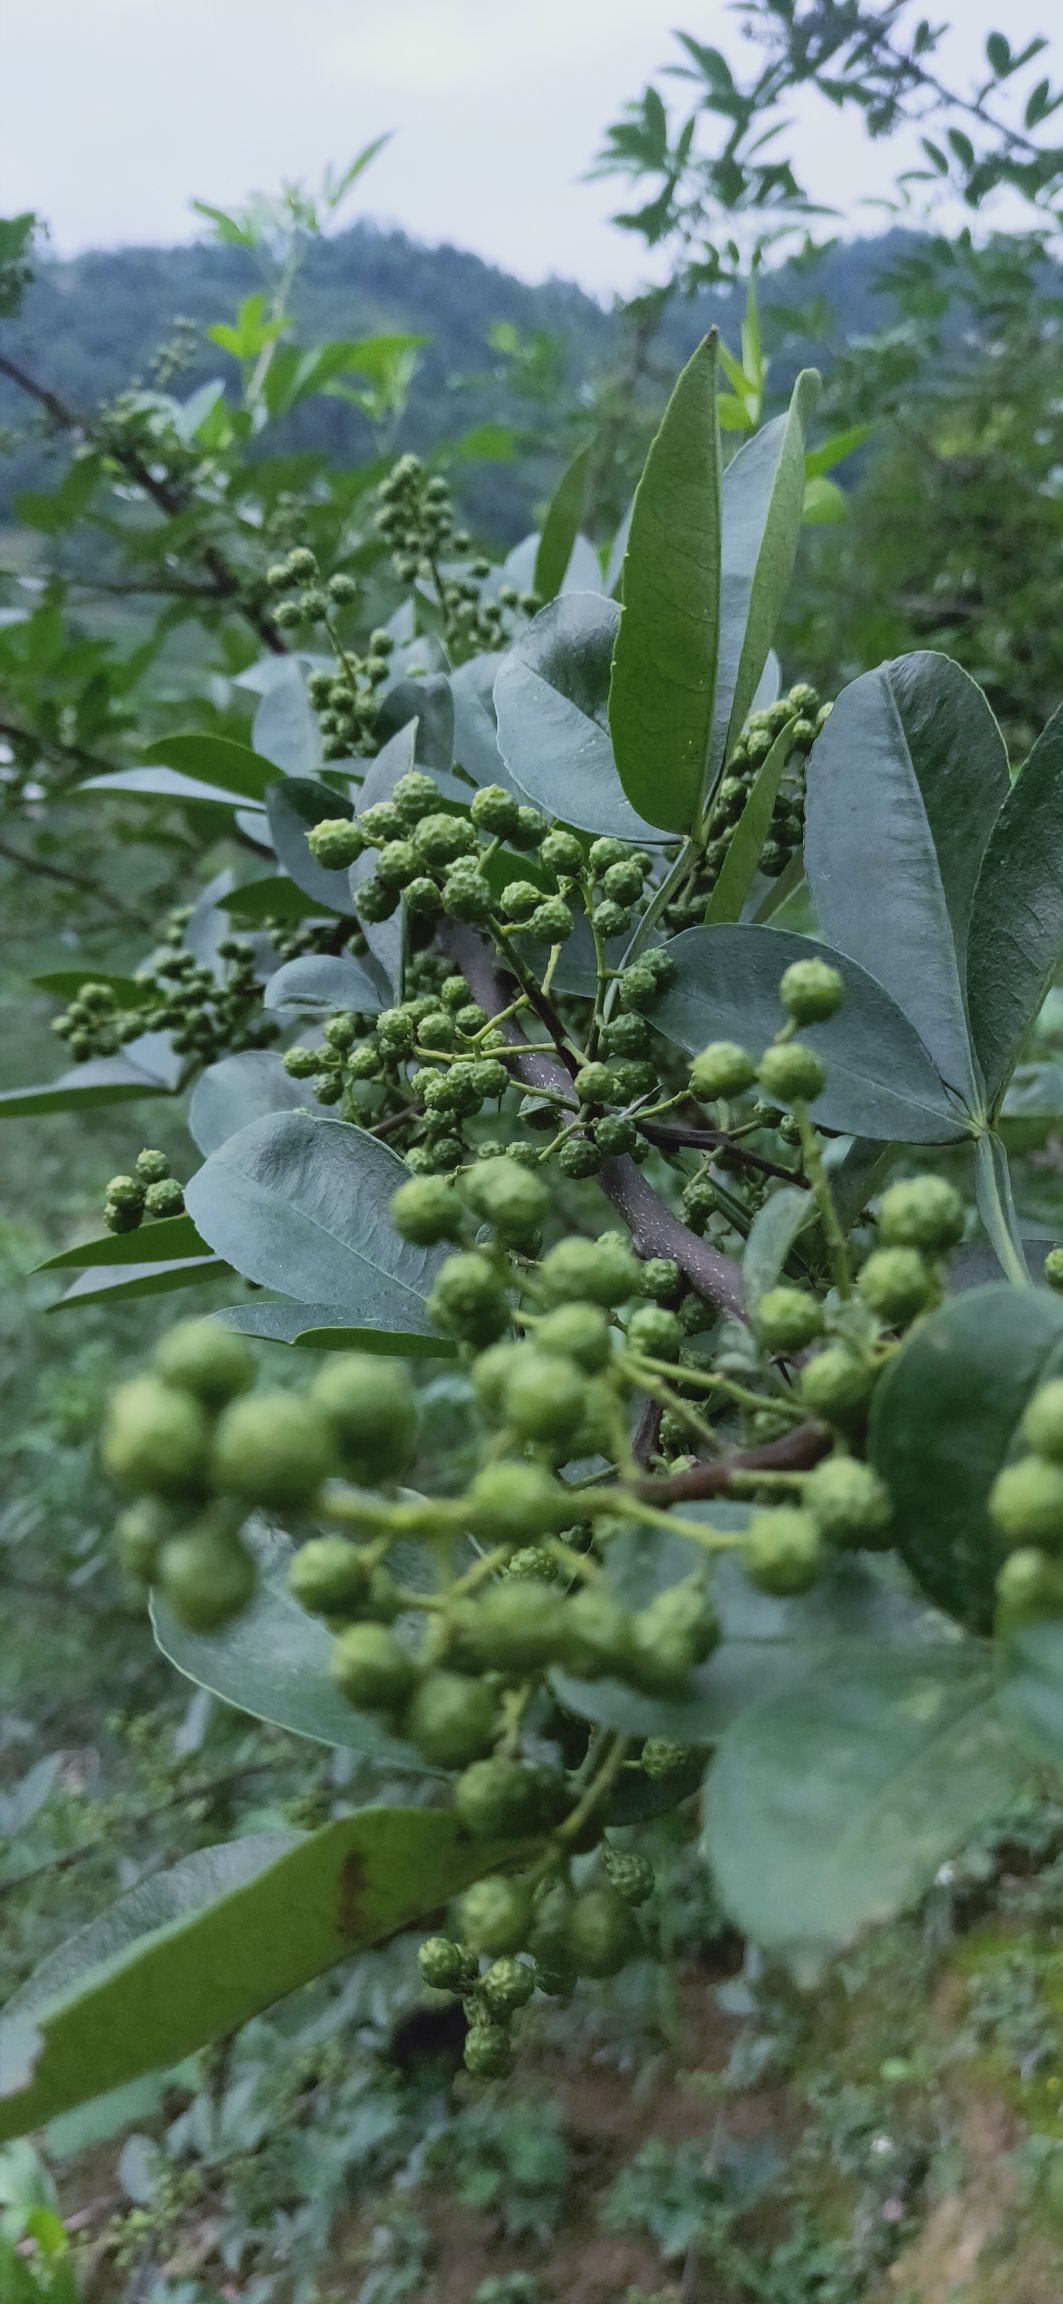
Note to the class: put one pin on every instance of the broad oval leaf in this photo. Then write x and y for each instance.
(833, 1803)
(880, 1081)
(239, 1089)
(195, 1951)
(667, 645)
(319, 981)
(273, 1662)
(126, 1280)
(215, 760)
(551, 696)
(152, 1243)
(472, 689)
(302, 1205)
(1017, 920)
(286, 728)
(904, 783)
(945, 1418)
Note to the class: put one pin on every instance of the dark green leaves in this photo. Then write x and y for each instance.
(551, 697)
(152, 1243)
(214, 760)
(192, 1953)
(834, 1802)
(880, 1081)
(1017, 919)
(945, 1419)
(239, 1089)
(301, 1205)
(904, 784)
(664, 664)
(272, 1661)
(103, 1080)
(320, 981)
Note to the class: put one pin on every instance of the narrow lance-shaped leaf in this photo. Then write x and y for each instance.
(665, 660)
(195, 1951)
(551, 697)
(904, 784)
(739, 866)
(763, 499)
(561, 526)
(1017, 919)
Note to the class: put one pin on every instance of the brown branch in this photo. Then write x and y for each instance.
(655, 1231)
(796, 1451)
(85, 887)
(206, 1788)
(667, 1135)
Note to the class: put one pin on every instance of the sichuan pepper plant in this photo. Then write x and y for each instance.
(515, 1064)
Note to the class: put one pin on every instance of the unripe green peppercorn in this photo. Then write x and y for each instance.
(152, 1167)
(544, 1397)
(506, 1986)
(722, 1069)
(790, 1073)
(425, 1211)
(921, 1212)
(896, 1283)
(452, 1720)
(631, 1876)
(515, 1503)
(1053, 1268)
(468, 1300)
(336, 842)
(602, 1271)
(1029, 1590)
(444, 1965)
(441, 839)
(579, 1156)
(371, 1668)
(597, 1635)
(782, 1552)
(561, 852)
(367, 1402)
(551, 919)
(848, 1502)
(811, 990)
(156, 1438)
(509, 1197)
(836, 1384)
(496, 1914)
(207, 1578)
(787, 1319)
(1026, 1501)
(202, 1357)
(272, 1449)
(329, 1576)
(495, 811)
(488, 2052)
(516, 1627)
(602, 1933)
(578, 1332)
(499, 1797)
(655, 1332)
(1042, 1423)
(142, 1530)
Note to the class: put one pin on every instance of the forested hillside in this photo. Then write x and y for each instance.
(90, 323)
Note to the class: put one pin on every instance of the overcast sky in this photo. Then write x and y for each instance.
(114, 114)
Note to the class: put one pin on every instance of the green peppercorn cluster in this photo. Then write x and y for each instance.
(415, 518)
(149, 1192)
(1026, 1504)
(205, 1014)
(802, 714)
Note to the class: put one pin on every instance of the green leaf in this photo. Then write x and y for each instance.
(996, 1207)
(128, 1280)
(286, 730)
(834, 1803)
(550, 699)
(239, 1089)
(904, 784)
(152, 1243)
(1031, 1687)
(103, 1080)
(272, 1662)
(775, 1228)
(739, 867)
(945, 1418)
(192, 1953)
(163, 784)
(323, 1328)
(319, 981)
(824, 503)
(880, 1081)
(302, 1205)
(763, 499)
(831, 452)
(273, 897)
(664, 670)
(215, 760)
(1017, 918)
(561, 526)
(66, 983)
(293, 808)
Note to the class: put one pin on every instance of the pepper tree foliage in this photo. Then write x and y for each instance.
(585, 1016)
